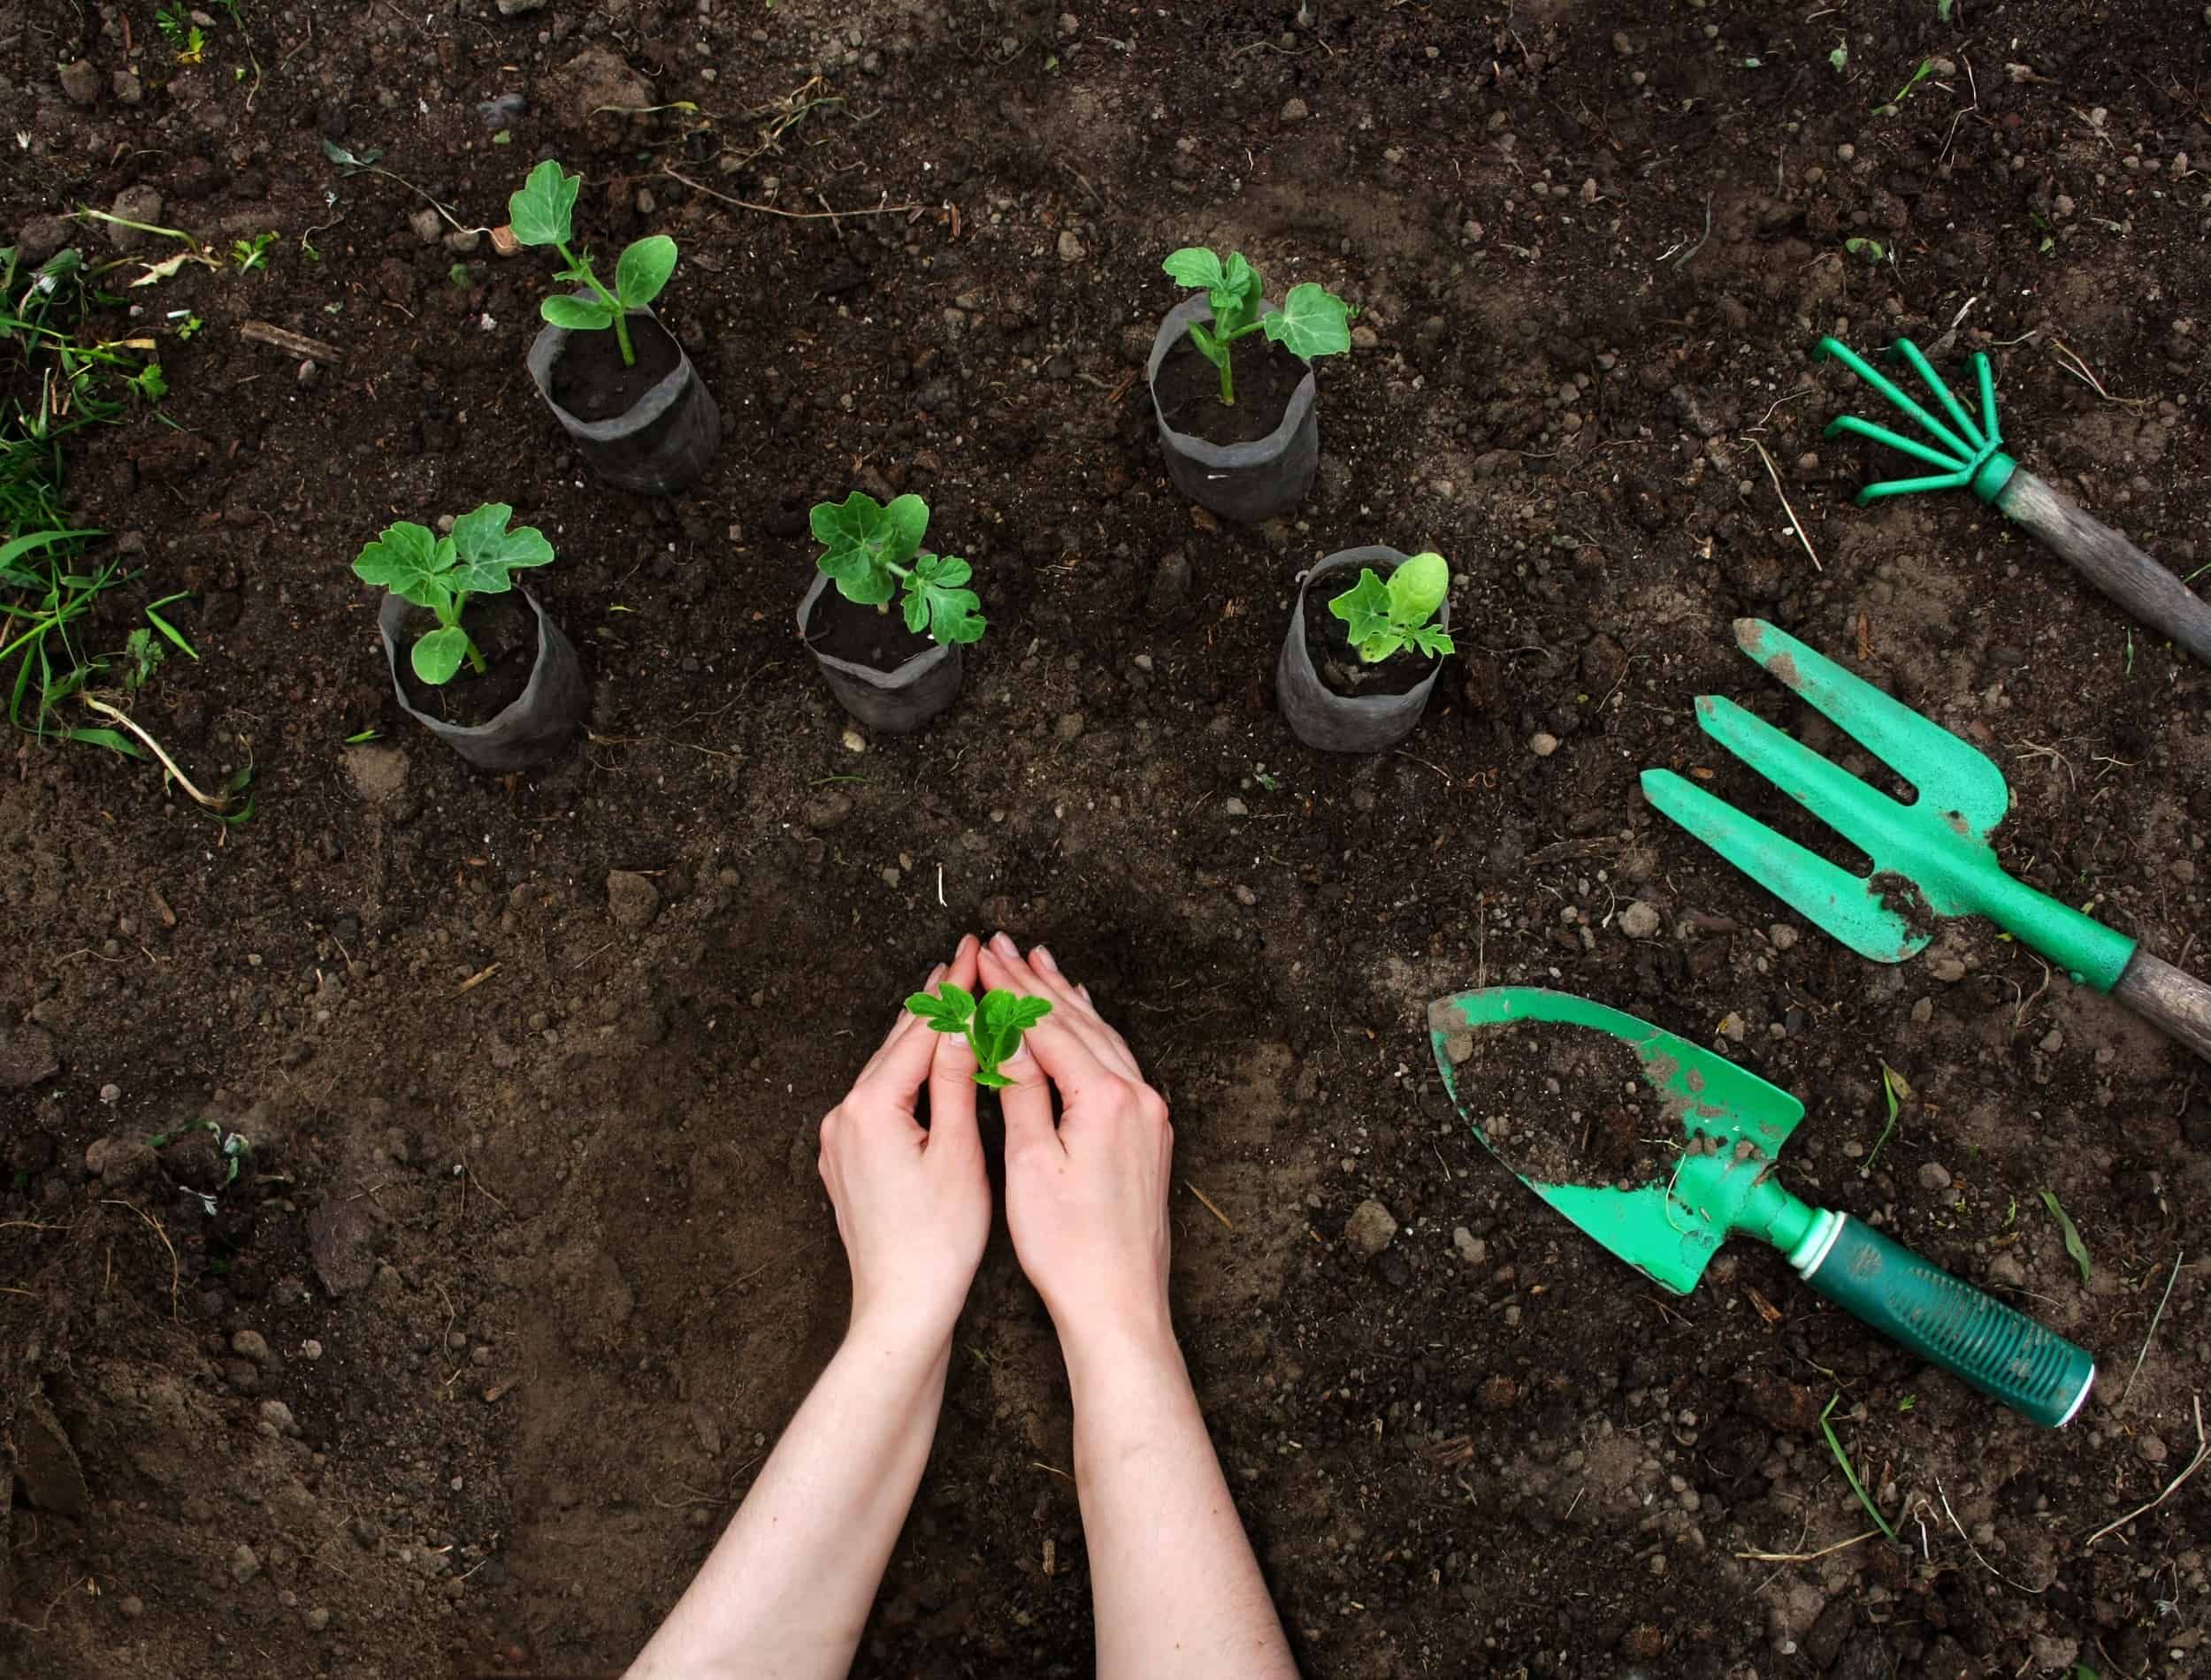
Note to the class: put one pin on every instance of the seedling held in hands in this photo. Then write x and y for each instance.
(1313, 321)
(543, 213)
(441, 573)
(872, 550)
(1378, 617)
(994, 1025)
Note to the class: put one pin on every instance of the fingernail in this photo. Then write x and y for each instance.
(1041, 955)
(1083, 992)
(935, 974)
(966, 941)
(1006, 948)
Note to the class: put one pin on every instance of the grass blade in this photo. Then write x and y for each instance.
(2074, 1246)
(1850, 1475)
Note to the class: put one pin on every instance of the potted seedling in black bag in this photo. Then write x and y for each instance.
(1357, 678)
(893, 671)
(500, 685)
(614, 377)
(1232, 385)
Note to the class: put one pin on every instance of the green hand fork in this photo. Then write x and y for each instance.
(1969, 454)
(1930, 857)
(1733, 1125)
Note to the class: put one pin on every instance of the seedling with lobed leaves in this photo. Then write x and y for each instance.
(872, 550)
(1380, 617)
(543, 213)
(442, 573)
(993, 1025)
(1313, 321)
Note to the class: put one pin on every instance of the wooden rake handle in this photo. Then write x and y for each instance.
(2147, 589)
(2177, 1003)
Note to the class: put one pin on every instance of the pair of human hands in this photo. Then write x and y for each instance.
(1085, 1197)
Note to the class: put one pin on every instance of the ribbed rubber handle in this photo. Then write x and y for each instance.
(2000, 1351)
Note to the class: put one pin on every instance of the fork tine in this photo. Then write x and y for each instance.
(1938, 764)
(1866, 817)
(1845, 904)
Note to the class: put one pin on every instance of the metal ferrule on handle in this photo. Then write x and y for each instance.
(1974, 1336)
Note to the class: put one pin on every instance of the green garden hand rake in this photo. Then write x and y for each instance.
(1931, 857)
(1969, 456)
(1717, 1177)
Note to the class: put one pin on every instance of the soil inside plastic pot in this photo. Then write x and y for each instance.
(1338, 662)
(863, 635)
(505, 632)
(1189, 387)
(591, 381)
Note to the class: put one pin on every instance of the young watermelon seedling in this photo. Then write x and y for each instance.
(479, 557)
(872, 551)
(1380, 617)
(1313, 321)
(994, 1025)
(543, 213)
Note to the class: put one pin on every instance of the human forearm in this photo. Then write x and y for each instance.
(1177, 1588)
(785, 1592)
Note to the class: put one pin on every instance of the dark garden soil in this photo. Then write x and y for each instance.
(505, 632)
(863, 635)
(527, 1262)
(1330, 648)
(1267, 376)
(592, 381)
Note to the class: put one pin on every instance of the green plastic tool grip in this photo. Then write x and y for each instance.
(1996, 1349)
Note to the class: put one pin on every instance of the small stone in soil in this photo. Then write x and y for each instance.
(632, 900)
(1371, 1228)
(1934, 1176)
(1542, 744)
(1639, 920)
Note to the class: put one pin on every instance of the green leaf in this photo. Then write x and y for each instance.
(1433, 641)
(644, 270)
(991, 1079)
(2074, 1246)
(488, 552)
(1313, 321)
(1416, 589)
(864, 540)
(934, 599)
(543, 212)
(1239, 281)
(1195, 267)
(438, 655)
(577, 313)
(406, 560)
(1364, 607)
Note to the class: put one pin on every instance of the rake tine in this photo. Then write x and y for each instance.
(1862, 814)
(1822, 892)
(1916, 748)
(1928, 377)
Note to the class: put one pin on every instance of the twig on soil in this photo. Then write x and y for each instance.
(176, 1270)
(1225, 1222)
(1807, 1557)
(2070, 360)
(2203, 1451)
(1682, 261)
(217, 805)
(1978, 1558)
(1795, 525)
(795, 216)
(475, 979)
(297, 344)
(2152, 1336)
(1801, 391)
(1448, 778)
(1038, 1463)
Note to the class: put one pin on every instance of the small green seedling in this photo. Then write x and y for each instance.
(994, 1027)
(871, 550)
(543, 213)
(1871, 249)
(251, 254)
(1378, 617)
(441, 573)
(1313, 321)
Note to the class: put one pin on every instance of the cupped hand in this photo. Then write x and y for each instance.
(912, 1204)
(1086, 1199)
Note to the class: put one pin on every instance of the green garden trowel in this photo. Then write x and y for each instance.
(1717, 1177)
